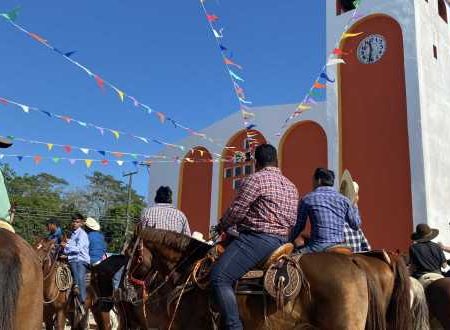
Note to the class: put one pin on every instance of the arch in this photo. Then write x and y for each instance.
(374, 134)
(442, 10)
(231, 172)
(303, 148)
(195, 188)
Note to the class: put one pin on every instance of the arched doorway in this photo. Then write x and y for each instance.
(237, 163)
(302, 149)
(374, 131)
(195, 189)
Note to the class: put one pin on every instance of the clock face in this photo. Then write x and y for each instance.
(372, 49)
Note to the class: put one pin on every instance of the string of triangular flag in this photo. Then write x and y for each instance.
(37, 159)
(67, 148)
(231, 67)
(101, 82)
(68, 119)
(336, 57)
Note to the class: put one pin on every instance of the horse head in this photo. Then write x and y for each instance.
(46, 249)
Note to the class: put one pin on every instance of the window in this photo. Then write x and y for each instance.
(435, 51)
(237, 171)
(228, 173)
(343, 6)
(442, 9)
(248, 169)
(239, 157)
(237, 184)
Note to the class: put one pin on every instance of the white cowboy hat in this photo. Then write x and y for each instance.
(91, 223)
(348, 187)
(7, 226)
(198, 236)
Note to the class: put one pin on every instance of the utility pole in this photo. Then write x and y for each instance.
(130, 180)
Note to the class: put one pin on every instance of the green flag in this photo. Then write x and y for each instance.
(5, 206)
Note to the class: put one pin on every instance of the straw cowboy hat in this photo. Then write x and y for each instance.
(7, 226)
(5, 143)
(348, 187)
(91, 223)
(424, 233)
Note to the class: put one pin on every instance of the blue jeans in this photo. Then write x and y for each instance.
(315, 247)
(79, 269)
(244, 253)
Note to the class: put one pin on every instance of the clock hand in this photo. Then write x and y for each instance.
(371, 52)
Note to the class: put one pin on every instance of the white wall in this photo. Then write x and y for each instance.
(434, 80)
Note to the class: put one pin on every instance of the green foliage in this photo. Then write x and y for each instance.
(39, 197)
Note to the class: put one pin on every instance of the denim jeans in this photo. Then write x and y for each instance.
(79, 269)
(117, 277)
(244, 253)
(315, 247)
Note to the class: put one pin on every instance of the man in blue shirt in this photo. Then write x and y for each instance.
(328, 211)
(54, 230)
(97, 244)
(77, 250)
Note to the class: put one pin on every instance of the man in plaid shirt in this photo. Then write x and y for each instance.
(264, 211)
(163, 215)
(355, 239)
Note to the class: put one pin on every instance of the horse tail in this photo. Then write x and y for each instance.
(398, 312)
(419, 306)
(10, 279)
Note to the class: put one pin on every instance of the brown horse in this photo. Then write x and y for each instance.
(20, 283)
(438, 298)
(333, 286)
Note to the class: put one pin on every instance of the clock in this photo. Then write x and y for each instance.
(372, 49)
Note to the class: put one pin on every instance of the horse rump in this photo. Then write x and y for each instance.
(10, 279)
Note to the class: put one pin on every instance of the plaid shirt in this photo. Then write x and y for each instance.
(266, 202)
(327, 210)
(165, 216)
(355, 239)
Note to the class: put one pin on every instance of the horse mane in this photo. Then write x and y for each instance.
(10, 278)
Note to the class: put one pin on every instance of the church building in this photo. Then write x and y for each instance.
(386, 119)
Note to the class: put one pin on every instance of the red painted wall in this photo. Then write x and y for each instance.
(227, 193)
(374, 134)
(195, 189)
(303, 148)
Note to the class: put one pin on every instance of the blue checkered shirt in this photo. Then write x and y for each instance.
(327, 211)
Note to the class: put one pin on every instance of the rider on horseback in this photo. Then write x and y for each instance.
(264, 211)
(328, 211)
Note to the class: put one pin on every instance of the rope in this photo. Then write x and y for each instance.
(178, 302)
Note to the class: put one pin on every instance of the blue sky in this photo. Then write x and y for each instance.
(161, 52)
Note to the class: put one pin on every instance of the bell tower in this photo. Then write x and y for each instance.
(390, 107)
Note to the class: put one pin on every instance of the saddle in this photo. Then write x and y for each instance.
(278, 276)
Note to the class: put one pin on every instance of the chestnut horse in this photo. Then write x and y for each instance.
(336, 293)
(20, 283)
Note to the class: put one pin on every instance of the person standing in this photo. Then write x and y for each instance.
(264, 212)
(163, 215)
(77, 251)
(328, 211)
(97, 244)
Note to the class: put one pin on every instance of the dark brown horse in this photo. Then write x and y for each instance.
(338, 295)
(20, 283)
(438, 298)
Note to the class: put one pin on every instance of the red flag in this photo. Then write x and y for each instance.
(240, 92)
(105, 162)
(161, 116)
(319, 85)
(230, 62)
(211, 17)
(68, 149)
(66, 119)
(117, 154)
(100, 82)
(339, 52)
(37, 37)
(37, 159)
(3, 101)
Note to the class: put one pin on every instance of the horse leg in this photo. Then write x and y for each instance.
(48, 319)
(60, 319)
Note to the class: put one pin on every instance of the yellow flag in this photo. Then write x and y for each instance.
(121, 94)
(116, 134)
(303, 107)
(351, 35)
(50, 146)
(88, 162)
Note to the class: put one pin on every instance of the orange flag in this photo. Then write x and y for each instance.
(319, 85)
(230, 62)
(37, 37)
(37, 159)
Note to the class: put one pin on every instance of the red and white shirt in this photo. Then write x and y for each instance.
(267, 202)
(165, 216)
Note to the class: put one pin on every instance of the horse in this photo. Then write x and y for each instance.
(438, 298)
(21, 284)
(419, 307)
(325, 277)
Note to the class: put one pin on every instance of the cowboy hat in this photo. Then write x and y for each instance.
(5, 143)
(198, 236)
(7, 226)
(91, 223)
(424, 233)
(348, 187)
